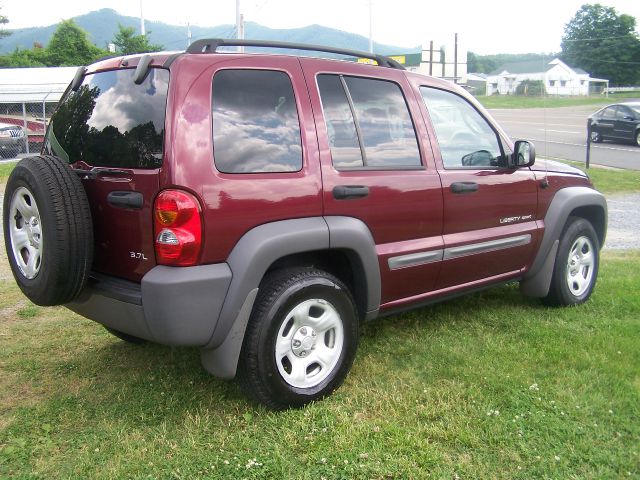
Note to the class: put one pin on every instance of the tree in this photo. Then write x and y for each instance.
(127, 42)
(603, 43)
(70, 46)
(3, 21)
(480, 63)
(21, 57)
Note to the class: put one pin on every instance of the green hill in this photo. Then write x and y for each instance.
(103, 24)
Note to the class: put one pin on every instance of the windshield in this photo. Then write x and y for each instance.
(112, 122)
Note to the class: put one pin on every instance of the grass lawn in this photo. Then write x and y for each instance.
(514, 101)
(493, 385)
(610, 181)
(5, 170)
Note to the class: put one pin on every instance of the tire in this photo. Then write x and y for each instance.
(126, 337)
(637, 138)
(289, 358)
(576, 267)
(596, 136)
(47, 230)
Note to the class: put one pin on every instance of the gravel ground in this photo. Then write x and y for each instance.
(624, 221)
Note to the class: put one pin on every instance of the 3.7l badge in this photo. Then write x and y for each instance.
(138, 255)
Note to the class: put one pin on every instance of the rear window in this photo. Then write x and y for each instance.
(112, 122)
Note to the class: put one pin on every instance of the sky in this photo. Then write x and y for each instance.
(484, 27)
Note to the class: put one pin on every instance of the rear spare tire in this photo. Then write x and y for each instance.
(47, 230)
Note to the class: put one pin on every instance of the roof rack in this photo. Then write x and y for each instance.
(211, 45)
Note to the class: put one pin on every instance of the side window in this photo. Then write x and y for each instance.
(622, 113)
(255, 122)
(341, 128)
(464, 136)
(368, 123)
(609, 113)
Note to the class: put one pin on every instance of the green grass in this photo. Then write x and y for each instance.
(515, 101)
(612, 181)
(5, 170)
(493, 385)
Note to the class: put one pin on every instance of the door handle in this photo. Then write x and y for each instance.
(464, 187)
(128, 200)
(346, 192)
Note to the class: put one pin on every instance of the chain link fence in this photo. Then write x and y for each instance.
(23, 126)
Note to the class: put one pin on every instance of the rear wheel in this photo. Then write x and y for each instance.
(576, 268)
(301, 339)
(47, 230)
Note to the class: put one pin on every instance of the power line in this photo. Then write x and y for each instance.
(629, 35)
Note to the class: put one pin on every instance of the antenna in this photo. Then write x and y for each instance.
(370, 26)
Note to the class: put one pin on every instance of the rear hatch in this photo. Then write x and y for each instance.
(111, 130)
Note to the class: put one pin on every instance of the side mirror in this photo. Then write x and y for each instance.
(524, 154)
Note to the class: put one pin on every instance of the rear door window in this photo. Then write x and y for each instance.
(112, 122)
(609, 113)
(255, 122)
(368, 123)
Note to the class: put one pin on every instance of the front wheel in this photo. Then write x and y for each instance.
(576, 268)
(638, 138)
(301, 338)
(596, 137)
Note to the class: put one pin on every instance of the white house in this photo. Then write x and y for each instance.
(557, 77)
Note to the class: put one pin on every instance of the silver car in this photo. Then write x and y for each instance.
(12, 140)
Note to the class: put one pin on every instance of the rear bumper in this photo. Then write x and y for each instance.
(172, 305)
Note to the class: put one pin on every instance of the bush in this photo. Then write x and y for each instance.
(531, 88)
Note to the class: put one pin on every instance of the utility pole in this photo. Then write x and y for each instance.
(141, 20)
(239, 27)
(188, 34)
(370, 26)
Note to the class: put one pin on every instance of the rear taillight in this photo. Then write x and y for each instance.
(177, 228)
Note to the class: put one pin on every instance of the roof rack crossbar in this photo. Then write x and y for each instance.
(211, 45)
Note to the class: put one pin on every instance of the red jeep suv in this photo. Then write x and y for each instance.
(263, 206)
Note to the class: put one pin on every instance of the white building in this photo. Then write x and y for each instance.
(557, 77)
(28, 97)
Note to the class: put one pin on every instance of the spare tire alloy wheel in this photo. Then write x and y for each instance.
(48, 230)
(25, 232)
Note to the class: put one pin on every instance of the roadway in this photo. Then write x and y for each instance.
(562, 133)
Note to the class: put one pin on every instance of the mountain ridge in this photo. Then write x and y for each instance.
(102, 25)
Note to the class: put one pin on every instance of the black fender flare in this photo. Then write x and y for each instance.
(258, 249)
(536, 281)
